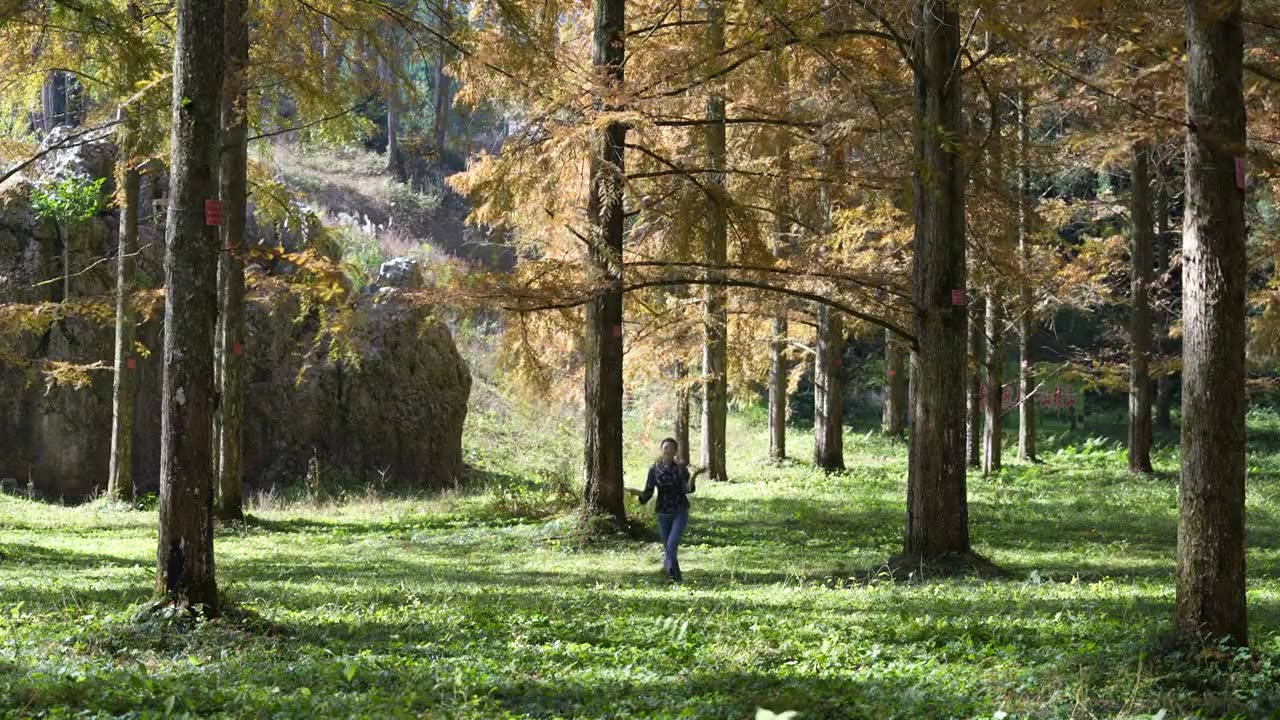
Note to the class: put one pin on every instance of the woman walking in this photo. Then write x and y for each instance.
(671, 479)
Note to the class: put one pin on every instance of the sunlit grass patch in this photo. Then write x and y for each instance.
(472, 602)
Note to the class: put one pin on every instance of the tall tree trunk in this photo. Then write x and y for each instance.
(779, 370)
(895, 387)
(184, 558)
(682, 411)
(993, 408)
(1164, 245)
(1140, 317)
(828, 392)
(937, 503)
(715, 366)
(440, 129)
(603, 341)
(234, 186)
(125, 382)
(394, 164)
(1210, 600)
(1026, 312)
(973, 394)
(779, 367)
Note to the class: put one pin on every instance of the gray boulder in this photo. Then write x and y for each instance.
(401, 273)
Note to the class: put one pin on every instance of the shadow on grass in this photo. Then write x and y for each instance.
(57, 559)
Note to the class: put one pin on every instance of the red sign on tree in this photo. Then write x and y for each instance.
(957, 297)
(212, 212)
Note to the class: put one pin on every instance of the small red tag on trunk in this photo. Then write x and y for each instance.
(131, 363)
(893, 373)
(1241, 176)
(958, 297)
(213, 212)
(617, 331)
(237, 349)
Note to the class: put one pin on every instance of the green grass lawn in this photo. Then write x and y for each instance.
(473, 604)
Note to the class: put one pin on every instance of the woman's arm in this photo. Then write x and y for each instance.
(690, 486)
(649, 484)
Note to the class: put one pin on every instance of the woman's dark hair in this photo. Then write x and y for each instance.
(669, 440)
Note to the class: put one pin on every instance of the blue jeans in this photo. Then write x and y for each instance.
(671, 526)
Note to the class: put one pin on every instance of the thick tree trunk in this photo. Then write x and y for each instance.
(1140, 314)
(973, 394)
(1164, 246)
(1026, 312)
(603, 341)
(893, 419)
(1211, 532)
(682, 411)
(184, 558)
(937, 503)
(124, 387)
(234, 186)
(715, 366)
(828, 392)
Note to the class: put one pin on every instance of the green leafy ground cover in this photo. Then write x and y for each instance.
(353, 603)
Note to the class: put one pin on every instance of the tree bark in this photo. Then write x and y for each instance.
(779, 367)
(603, 338)
(1140, 314)
(973, 394)
(1164, 246)
(440, 128)
(828, 392)
(779, 370)
(715, 366)
(682, 412)
(230, 344)
(1026, 313)
(893, 419)
(184, 558)
(993, 407)
(394, 164)
(125, 382)
(937, 504)
(1210, 602)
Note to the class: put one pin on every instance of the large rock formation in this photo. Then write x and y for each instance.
(386, 401)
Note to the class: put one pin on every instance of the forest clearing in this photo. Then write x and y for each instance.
(453, 606)
(639, 358)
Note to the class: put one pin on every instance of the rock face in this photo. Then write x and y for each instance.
(71, 152)
(400, 272)
(392, 408)
(396, 406)
(386, 402)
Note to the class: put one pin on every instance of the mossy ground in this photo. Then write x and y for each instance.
(353, 603)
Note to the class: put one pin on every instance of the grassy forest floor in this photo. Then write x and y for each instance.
(351, 603)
